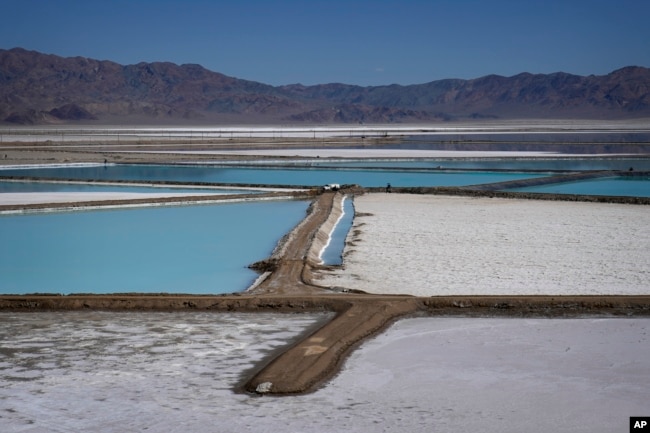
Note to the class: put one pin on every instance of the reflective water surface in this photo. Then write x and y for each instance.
(181, 249)
(614, 186)
(487, 163)
(304, 175)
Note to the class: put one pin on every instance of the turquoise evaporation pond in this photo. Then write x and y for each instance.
(612, 186)
(491, 163)
(308, 176)
(185, 249)
(14, 187)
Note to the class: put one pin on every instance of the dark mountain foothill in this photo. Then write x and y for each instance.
(37, 88)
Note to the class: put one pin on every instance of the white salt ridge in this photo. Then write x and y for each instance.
(12, 198)
(73, 198)
(331, 231)
(52, 165)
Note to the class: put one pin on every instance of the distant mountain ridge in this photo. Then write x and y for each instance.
(38, 88)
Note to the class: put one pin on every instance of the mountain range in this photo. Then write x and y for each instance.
(37, 88)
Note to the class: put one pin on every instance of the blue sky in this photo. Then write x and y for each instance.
(354, 42)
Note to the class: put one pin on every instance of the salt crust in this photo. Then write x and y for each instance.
(439, 245)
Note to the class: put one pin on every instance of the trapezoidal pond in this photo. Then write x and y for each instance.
(182, 249)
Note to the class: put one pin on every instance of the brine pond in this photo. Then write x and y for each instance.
(277, 175)
(200, 249)
(608, 186)
(492, 163)
(374, 173)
